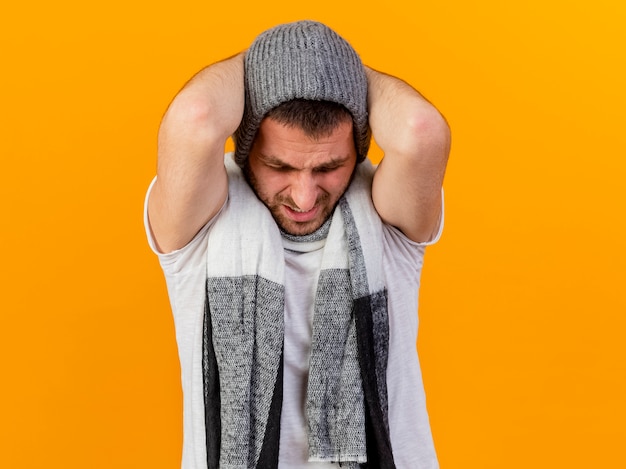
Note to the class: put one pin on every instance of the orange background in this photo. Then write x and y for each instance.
(522, 310)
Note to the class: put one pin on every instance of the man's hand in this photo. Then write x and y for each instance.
(191, 183)
(415, 139)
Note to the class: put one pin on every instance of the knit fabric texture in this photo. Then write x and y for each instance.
(346, 399)
(302, 60)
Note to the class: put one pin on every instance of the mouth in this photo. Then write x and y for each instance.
(301, 216)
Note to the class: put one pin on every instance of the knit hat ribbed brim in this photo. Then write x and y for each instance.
(305, 60)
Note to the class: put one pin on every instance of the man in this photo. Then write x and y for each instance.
(293, 265)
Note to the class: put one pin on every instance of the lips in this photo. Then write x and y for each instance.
(301, 217)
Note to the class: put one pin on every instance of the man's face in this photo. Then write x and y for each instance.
(300, 179)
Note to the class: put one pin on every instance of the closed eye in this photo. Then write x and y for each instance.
(280, 168)
(326, 169)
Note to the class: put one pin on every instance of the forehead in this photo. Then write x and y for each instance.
(284, 145)
(278, 140)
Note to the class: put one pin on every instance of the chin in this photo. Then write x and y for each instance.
(299, 229)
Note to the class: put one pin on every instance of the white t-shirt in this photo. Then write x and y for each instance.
(185, 274)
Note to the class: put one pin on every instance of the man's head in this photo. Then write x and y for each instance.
(305, 122)
(304, 60)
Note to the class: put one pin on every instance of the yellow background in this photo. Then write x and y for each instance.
(523, 304)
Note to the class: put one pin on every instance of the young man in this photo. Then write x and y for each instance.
(293, 265)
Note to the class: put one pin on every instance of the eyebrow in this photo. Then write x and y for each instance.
(275, 161)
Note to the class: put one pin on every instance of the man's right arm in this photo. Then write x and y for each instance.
(191, 184)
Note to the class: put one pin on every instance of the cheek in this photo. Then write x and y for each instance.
(336, 181)
(271, 183)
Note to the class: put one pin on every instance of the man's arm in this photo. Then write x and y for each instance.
(191, 183)
(415, 139)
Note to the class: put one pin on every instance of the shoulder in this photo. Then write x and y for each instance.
(189, 257)
(401, 254)
(361, 191)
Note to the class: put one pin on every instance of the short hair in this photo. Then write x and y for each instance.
(315, 118)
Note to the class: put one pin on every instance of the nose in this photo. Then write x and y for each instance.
(304, 191)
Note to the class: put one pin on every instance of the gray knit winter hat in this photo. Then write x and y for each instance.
(305, 60)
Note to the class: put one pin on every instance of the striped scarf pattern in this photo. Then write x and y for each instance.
(346, 403)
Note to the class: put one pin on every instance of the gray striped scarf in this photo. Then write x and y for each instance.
(346, 404)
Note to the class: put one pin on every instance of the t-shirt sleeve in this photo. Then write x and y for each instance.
(434, 238)
(173, 262)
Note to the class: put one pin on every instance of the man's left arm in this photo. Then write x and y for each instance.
(415, 139)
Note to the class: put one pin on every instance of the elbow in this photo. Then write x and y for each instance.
(189, 119)
(427, 127)
(187, 111)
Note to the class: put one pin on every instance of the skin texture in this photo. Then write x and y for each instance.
(415, 139)
(192, 184)
(300, 178)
